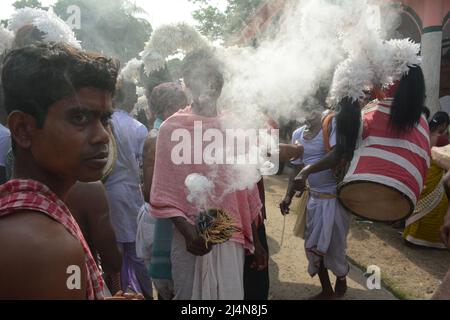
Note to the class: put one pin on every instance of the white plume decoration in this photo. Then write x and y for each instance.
(6, 39)
(53, 27)
(378, 63)
(132, 71)
(169, 40)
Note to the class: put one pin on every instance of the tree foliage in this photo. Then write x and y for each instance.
(109, 26)
(20, 4)
(221, 25)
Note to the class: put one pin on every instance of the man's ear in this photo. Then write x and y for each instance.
(22, 127)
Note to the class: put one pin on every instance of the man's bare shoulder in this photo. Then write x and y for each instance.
(87, 188)
(85, 197)
(36, 257)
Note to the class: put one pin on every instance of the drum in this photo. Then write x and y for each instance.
(388, 171)
(112, 158)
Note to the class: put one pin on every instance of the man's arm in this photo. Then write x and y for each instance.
(290, 193)
(289, 152)
(331, 160)
(149, 166)
(36, 263)
(101, 233)
(261, 259)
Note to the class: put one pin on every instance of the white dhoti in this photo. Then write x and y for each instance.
(327, 227)
(217, 276)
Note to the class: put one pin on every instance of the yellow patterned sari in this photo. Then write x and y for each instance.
(423, 227)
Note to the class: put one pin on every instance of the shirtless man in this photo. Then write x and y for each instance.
(89, 206)
(59, 101)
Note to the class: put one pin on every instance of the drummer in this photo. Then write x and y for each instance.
(328, 223)
(405, 101)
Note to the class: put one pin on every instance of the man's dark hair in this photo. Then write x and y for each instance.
(439, 119)
(165, 96)
(426, 112)
(123, 88)
(348, 123)
(199, 66)
(37, 76)
(154, 79)
(408, 101)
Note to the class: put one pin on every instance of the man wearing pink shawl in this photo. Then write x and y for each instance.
(200, 271)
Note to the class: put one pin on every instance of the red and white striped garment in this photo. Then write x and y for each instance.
(19, 195)
(383, 156)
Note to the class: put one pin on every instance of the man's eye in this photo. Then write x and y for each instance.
(106, 121)
(80, 118)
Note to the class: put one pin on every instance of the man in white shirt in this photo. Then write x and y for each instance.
(123, 188)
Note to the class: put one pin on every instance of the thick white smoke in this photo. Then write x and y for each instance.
(286, 71)
(200, 190)
(6, 39)
(290, 66)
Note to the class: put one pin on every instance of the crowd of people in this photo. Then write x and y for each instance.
(93, 207)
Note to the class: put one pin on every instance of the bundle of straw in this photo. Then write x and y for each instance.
(215, 226)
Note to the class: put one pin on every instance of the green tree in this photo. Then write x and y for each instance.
(109, 26)
(221, 25)
(20, 4)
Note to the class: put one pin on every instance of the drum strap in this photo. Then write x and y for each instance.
(341, 169)
(326, 128)
(321, 195)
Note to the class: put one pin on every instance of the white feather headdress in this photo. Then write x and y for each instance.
(351, 78)
(380, 65)
(54, 28)
(402, 54)
(168, 40)
(6, 39)
(132, 71)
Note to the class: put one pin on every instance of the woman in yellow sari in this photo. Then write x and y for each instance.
(423, 227)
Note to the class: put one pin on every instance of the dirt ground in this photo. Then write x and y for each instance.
(407, 273)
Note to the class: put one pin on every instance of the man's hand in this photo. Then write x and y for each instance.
(289, 152)
(301, 180)
(122, 296)
(445, 230)
(285, 204)
(260, 258)
(195, 244)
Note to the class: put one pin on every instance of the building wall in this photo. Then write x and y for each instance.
(432, 16)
